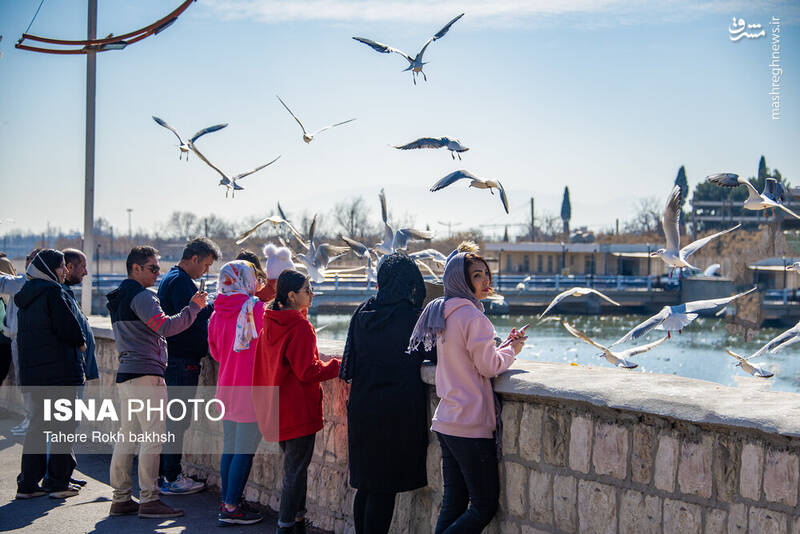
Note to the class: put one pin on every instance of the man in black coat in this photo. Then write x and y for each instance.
(50, 343)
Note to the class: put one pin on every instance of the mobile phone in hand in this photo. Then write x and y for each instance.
(519, 331)
(202, 285)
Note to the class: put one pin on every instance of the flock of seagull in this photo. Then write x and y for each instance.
(315, 257)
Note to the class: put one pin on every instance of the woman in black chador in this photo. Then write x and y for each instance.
(387, 409)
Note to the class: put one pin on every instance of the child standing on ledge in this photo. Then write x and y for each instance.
(287, 358)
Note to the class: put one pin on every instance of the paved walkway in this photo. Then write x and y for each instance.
(88, 512)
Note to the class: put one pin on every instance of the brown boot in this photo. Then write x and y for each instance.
(128, 507)
(157, 509)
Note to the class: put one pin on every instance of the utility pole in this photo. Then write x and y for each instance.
(130, 230)
(449, 225)
(88, 189)
(533, 236)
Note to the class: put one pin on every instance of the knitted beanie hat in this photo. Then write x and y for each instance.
(278, 260)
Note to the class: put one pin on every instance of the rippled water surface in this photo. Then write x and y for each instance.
(697, 353)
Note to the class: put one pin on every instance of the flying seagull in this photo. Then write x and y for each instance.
(475, 182)
(186, 146)
(397, 240)
(276, 221)
(453, 145)
(755, 201)
(229, 182)
(575, 292)
(308, 137)
(672, 255)
(415, 64)
(755, 370)
(318, 257)
(780, 341)
(620, 359)
(678, 317)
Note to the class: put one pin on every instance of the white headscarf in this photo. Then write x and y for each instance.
(239, 278)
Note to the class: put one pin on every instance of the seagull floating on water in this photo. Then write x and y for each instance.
(475, 182)
(229, 182)
(308, 137)
(620, 359)
(755, 201)
(672, 255)
(576, 292)
(755, 370)
(453, 145)
(672, 318)
(415, 64)
(186, 146)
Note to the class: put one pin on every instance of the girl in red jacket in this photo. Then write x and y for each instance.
(287, 357)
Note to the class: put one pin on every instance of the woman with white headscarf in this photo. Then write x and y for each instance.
(232, 334)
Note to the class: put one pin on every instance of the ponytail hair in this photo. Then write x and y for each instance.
(288, 281)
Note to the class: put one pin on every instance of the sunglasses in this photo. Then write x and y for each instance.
(155, 269)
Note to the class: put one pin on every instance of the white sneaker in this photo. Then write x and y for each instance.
(182, 485)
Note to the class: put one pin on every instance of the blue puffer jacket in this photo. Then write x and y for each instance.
(49, 336)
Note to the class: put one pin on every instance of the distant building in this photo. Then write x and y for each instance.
(771, 273)
(574, 258)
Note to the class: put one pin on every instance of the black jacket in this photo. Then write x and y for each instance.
(49, 336)
(387, 411)
(175, 291)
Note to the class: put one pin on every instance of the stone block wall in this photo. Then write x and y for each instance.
(584, 450)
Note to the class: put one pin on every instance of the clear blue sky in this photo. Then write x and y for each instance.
(609, 98)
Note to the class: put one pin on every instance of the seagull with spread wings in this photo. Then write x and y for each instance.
(576, 292)
(755, 370)
(318, 257)
(229, 181)
(673, 255)
(397, 240)
(308, 137)
(453, 145)
(620, 359)
(186, 146)
(672, 318)
(475, 182)
(276, 221)
(415, 64)
(756, 201)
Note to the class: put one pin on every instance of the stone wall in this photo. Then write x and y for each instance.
(586, 449)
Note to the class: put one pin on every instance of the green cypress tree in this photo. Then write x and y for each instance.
(566, 210)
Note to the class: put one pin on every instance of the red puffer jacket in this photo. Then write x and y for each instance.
(287, 357)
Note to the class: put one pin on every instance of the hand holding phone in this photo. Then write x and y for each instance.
(202, 285)
(510, 339)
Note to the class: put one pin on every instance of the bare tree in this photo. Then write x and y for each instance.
(182, 225)
(646, 217)
(215, 226)
(352, 216)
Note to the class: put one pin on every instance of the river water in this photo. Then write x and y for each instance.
(697, 353)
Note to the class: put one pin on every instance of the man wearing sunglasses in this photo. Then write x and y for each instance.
(140, 328)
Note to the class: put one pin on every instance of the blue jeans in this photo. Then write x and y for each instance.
(471, 484)
(240, 444)
(183, 373)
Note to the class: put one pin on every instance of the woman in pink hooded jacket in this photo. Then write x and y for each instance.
(232, 335)
(465, 419)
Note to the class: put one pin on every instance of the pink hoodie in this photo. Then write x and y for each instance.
(235, 368)
(467, 359)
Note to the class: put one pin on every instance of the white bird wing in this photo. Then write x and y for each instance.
(729, 179)
(671, 218)
(774, 344)
(427, 268)
(741, 359)
(645, 326)
(242, 175)
(293, 115)
(331, 126)
(790, 212)
(694, 246)
(384, 214)
(204, 131)
(641, 348)
(558, 298)
(601, 295)
(709, 304)
(452, 178)
(311, 230)
(160, 122)
(790, 341)
(382, 48)
(503, 197)
(360, 249)
(580, 335)
(326, 253)
(200, 155)
(242, 238)
(423, 142)
(429, 253)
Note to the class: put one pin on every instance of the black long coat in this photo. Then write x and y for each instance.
(387, 412)
(49, 336)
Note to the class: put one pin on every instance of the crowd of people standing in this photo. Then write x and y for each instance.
(258, 331)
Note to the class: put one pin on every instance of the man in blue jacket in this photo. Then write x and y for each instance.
(186, 350)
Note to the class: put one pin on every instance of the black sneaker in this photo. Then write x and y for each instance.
(239, 516)
(30, 493)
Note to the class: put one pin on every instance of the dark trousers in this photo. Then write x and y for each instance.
(239, 445)
(372, 512)
(5, 357)
(296, 457)
(181, 377)
(36, 463)
(471, 484)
